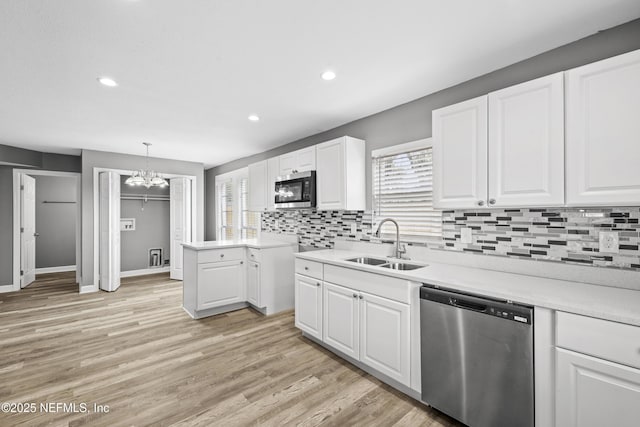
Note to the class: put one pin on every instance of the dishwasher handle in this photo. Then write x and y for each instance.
(468, 305)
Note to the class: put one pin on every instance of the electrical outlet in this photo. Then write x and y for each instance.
(466, 235)
(609, 242)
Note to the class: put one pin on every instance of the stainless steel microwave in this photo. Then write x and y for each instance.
(296, 191)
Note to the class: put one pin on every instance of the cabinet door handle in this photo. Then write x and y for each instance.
(355, 295)
(306, 269)
(221, 255)
(480, 202)
(241, 262)
(492, 201)
(361, 297)
(318, 284)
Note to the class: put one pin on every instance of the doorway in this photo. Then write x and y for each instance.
(46, 224)
(140, 231)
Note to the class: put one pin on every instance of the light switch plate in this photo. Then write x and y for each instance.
(466, 235)
(609, 242)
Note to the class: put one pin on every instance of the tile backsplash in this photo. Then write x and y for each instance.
(564, 235)
(553, 234)
(319, 228)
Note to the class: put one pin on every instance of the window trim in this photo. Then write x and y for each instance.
(234, 177)
(420, 144)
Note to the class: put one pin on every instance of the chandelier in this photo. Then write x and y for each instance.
(146, 178)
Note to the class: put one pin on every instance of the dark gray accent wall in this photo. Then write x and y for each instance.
(55, 222)
(21, 158)
(412, 121)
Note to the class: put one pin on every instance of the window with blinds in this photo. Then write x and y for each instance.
(402, 190)
(249, 221)
(225, 210)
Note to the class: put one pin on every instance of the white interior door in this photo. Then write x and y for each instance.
(109, 231)
(180, 223)
(28, 230)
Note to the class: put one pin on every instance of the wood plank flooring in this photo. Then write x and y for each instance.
(138, 352)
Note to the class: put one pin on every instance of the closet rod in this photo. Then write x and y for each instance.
(52, 201)
(148, 199)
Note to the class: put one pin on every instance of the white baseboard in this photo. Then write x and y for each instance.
(145, 271)
(60, 269)
(7, 288)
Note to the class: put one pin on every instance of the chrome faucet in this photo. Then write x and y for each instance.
(400, 249)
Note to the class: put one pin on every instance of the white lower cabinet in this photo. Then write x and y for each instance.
(253, 283)
(593, 392)
(368, 328)
(220, 283)
(341, 319)
(384, 336)
(308, 305)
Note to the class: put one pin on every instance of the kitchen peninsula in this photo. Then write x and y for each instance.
(222, 276)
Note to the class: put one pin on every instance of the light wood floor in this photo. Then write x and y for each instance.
(138, 352)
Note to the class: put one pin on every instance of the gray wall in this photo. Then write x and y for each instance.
(6, 225)
(152, 227)
(100, 159)
(412, 121)
(152, 231)
(55, 222)
(22, 159)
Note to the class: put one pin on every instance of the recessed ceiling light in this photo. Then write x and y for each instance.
(328, 75)
(107, 81)
(254, 118)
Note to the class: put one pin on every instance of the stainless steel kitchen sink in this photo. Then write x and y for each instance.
(368, 261)
(401, 266)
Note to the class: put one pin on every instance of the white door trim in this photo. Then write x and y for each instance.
(15, 286)
(94, 287)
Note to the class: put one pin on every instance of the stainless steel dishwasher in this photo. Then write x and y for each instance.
(477, 358)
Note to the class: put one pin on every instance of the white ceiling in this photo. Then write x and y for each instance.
(190, 72)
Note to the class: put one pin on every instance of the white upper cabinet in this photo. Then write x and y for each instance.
(526, 144)
(257, 197)
(298, 161)
(340, 177)
(603, 132)
(273, 170)
(460, 155)
(262, 178)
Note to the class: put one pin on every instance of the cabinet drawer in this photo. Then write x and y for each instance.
(254, 255)
(215, 255)
(309, 268)
(600, 338)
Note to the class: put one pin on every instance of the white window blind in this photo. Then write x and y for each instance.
(225, 210)
(249, 221)
(402, 190)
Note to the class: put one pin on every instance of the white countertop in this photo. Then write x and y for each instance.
(251, 243)
(605, 302)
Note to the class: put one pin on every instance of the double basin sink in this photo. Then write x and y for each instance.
(393, 265)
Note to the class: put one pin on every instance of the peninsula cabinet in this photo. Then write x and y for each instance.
(219, 279)
(603, 132)
(220, 283)
(341, 183)
(502, 150)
